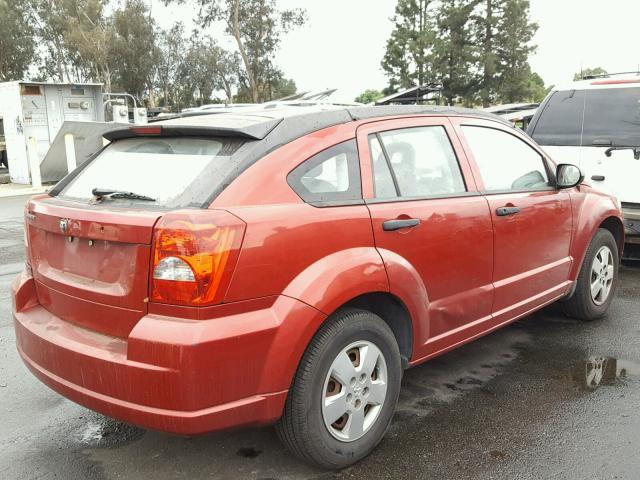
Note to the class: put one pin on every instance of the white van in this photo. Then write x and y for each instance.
(595, 124)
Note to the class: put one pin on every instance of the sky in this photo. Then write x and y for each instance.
(343, 43)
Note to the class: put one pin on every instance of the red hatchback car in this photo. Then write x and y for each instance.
(285, 266)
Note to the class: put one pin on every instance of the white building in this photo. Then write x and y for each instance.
(33, 113)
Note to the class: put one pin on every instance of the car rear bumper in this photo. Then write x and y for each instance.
(181, 376)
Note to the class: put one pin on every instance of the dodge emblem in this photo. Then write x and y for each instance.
(64, 225)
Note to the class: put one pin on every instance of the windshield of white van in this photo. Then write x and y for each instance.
(580, 117)
(172, 172)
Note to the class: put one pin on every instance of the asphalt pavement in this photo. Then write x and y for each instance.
(546, 397)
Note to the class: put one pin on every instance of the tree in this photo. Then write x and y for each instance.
(66, 56)
(172, 45)
(587, 72)
(407, 58)
(513, 48)
(536, 89)
(256, 26)
(88, 38)
(17, 46)
(486, 24)
(454, 51)
(369, 96)
(134, 50)
(477, 49)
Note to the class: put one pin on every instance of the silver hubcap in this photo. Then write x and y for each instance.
(354, 391)
(602, 272)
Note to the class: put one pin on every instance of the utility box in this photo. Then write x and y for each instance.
(140, 116)
(120, 113)
(32, 114)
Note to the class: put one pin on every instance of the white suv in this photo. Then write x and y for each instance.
(595, 124)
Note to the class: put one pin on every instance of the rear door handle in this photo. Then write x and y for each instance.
(505, 211)
(391, 225)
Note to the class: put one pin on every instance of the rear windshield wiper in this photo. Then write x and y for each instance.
(100, 193)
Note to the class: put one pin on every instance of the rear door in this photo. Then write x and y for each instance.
(425, 208)
(90, 256)
(531, 219)
(91, 266)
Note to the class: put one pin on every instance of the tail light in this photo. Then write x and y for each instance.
(194, 254)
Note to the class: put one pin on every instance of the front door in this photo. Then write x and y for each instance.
(531, 219)
(426, 212)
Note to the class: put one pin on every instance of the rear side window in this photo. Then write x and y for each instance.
(415, 162)
(332, 175)
(506, 162)
(175, 171)
(612, 114)
(560, 122)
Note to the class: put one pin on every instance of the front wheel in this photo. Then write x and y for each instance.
(597, 280)
(344, 393)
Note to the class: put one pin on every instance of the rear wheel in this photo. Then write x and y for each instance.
(597, 281)
(344, 393)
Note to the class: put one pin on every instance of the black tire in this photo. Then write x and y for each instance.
(302, 428)
(581, 305)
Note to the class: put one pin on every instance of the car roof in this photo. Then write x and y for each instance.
(291, 122)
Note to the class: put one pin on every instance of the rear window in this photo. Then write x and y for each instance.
(175, 171)
(611, 114)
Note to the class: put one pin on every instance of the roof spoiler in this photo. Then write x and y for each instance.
(257, 131)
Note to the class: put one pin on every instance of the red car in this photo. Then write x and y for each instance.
(286, 266)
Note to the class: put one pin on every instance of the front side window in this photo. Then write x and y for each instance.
(332, 175)
(506, 162)
(414, 162)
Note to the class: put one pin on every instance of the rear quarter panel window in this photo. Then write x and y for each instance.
(332, 175)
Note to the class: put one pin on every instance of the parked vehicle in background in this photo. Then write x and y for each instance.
(518, 114)
(296, 263)
(4, 162)
(595, 124)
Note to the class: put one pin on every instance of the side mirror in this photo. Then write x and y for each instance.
(568, 176)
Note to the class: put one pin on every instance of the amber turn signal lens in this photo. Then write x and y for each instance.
(193, 256)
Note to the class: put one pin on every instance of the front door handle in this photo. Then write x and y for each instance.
(505, 211)
(597, 178)
(391, 225)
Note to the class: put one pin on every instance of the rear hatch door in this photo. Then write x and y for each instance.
(90, 240)
(91, 266)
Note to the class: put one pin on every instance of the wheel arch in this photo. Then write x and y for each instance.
(615, 226)
(394, 313)
(593, 211)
